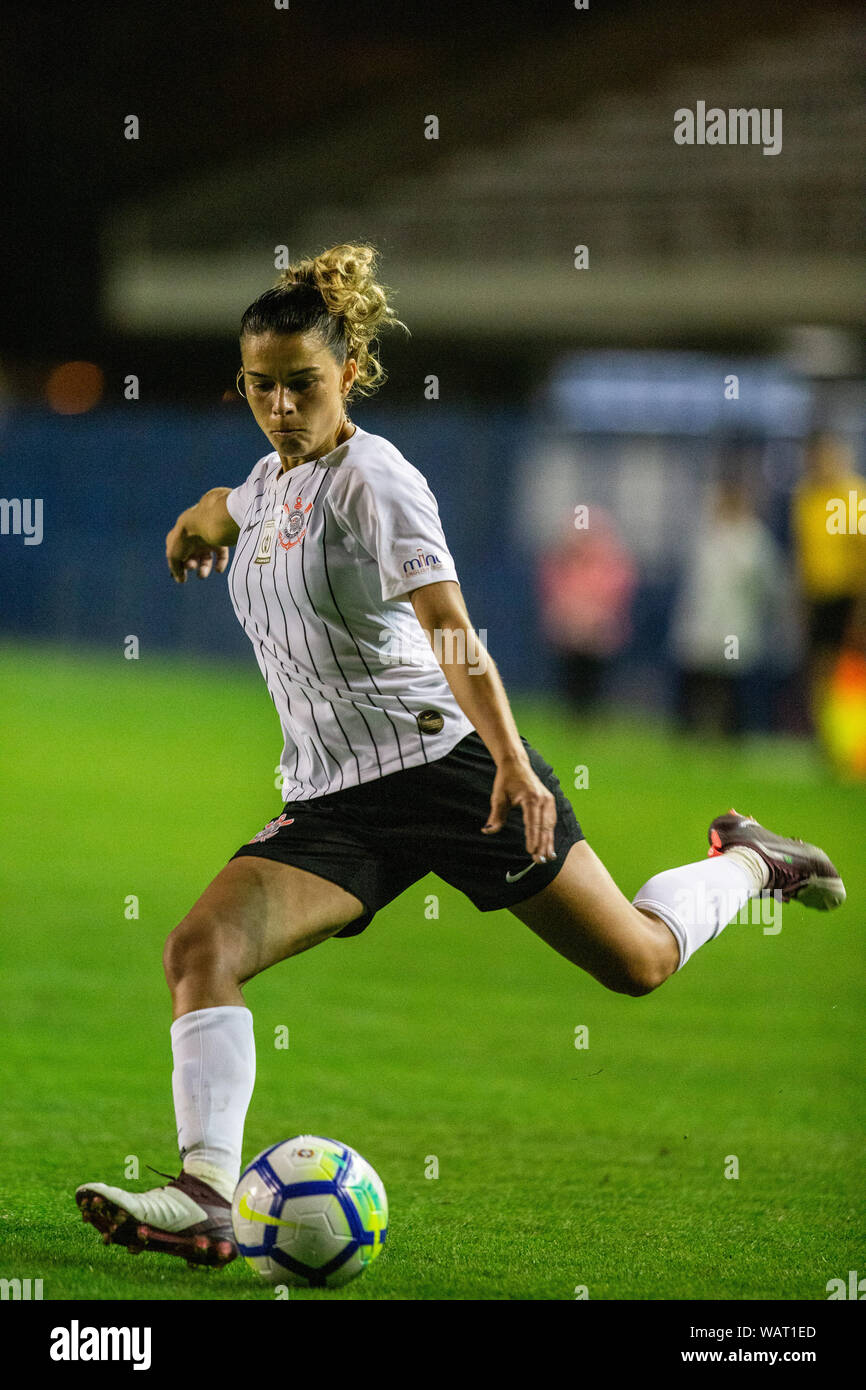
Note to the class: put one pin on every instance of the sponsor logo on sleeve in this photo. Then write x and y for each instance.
(421, 562)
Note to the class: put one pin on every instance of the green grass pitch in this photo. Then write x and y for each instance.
(559, 1167)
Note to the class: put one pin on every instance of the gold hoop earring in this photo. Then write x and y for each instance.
(238, 383)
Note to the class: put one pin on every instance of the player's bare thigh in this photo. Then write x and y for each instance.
(584, 916)
(255, 913)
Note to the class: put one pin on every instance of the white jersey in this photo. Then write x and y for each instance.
(324, 554)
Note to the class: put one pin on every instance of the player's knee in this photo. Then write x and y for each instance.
(641, 986)
(639, 977)
(195, 946)
(655, 957)
(177, 953)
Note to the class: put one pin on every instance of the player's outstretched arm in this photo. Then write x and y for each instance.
(201, 536)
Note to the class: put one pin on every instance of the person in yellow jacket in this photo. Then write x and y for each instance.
(829, 531)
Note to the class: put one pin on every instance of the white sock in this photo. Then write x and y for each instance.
(213, 1078)
(698, 900)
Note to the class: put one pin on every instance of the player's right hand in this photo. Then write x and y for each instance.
(186, 552)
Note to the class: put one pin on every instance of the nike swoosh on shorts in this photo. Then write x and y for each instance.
(512, 878)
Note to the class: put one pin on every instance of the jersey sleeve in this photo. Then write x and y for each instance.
(390, 510)
(240, 499)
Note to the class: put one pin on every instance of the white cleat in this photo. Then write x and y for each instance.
(188, 1217)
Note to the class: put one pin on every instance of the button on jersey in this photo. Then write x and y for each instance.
(324, 554)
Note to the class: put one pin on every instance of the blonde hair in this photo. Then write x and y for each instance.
(335, 293)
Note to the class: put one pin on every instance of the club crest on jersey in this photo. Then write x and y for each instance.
(293, 523)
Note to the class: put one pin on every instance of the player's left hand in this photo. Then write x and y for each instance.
(515, 784)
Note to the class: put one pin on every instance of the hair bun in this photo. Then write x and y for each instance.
(345, 277)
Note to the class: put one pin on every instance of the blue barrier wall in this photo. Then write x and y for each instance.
(113, 482)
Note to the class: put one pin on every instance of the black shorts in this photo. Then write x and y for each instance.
(377, 839)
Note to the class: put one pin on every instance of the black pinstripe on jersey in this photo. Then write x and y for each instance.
(312, 608)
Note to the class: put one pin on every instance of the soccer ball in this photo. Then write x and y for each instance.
(310, 1212)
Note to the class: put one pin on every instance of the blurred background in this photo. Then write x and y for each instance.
(635, 375)
(634, 383)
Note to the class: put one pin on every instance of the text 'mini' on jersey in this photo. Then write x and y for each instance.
(323, 554)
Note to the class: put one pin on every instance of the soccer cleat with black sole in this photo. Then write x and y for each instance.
(120, 1218)
(799, 872)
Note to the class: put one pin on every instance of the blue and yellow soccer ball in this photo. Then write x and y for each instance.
(309, 1212)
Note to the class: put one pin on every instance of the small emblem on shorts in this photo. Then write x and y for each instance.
(430, 721)
(273, 827)
(512, 878)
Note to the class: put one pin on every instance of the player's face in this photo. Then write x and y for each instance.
(296, 391)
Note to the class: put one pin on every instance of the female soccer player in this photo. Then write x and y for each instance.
(400, 756)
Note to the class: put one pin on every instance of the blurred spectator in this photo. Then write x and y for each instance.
(586, 584)
(727, 612)
(831, 557)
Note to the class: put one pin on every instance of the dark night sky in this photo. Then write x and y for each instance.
(71, 72)
(212, 80)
